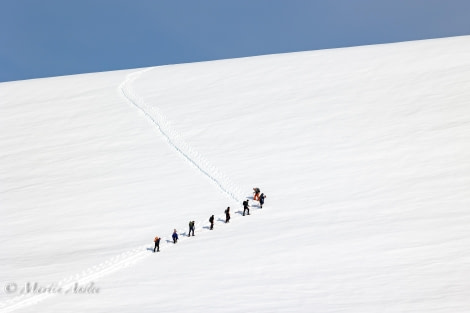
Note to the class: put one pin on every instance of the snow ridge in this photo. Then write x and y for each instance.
(176, 142)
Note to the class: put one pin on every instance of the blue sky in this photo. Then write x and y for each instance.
(61, 37)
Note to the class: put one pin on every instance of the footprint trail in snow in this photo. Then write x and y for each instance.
(133, 256)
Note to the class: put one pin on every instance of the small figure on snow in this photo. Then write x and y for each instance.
(211, 220)
(261, 200)
(246, 207)
(227, 215)
(191, 228)
(256, 192)
(157, 244)
(175, 236)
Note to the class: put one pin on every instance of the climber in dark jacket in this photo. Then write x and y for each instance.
(175, 236)
(246, 207)
(191, 228)
(261, 200)
(227, 215)
(211, 220)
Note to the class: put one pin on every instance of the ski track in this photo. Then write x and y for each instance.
(133, 256)
(176, 142)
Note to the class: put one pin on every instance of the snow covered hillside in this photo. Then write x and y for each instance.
(364, 154)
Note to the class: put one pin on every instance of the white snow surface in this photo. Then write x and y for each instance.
(363, 153)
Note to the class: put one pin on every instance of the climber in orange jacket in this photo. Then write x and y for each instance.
(256, 192)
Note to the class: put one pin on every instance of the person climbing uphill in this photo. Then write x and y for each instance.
(175, 236)
(246, 207)
(211, 220)
(157, 244)
(261, 200)
(256, 192)
(191, 228)
(227, 215)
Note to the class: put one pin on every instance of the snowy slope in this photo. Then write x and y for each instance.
(363, 154)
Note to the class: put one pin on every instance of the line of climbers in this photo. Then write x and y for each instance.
(257, 196)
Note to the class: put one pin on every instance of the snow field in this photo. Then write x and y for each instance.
(363, 154)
